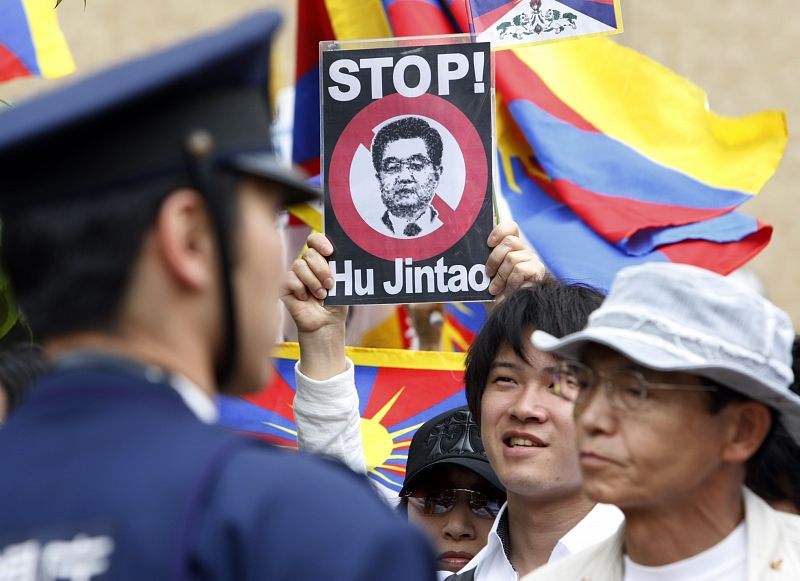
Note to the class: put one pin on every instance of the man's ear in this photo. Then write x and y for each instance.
(184, 238)
(748, 423)
(439, 169)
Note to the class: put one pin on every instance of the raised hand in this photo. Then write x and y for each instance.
(320, 329)
(512, 263)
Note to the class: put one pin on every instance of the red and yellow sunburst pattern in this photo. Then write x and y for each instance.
(398, 390)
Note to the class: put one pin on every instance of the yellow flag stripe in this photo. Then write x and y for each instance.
(660, 114)
(396, 358)
(307, 214)
(358, 20)
(52, 51)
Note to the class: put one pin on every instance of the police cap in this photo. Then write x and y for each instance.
(132, 122)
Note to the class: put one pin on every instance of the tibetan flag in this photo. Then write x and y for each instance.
(573, 251)
(31, 41)
(320, 20)
(313, 26)
(419, 18)
(633, 150)
(462, 322)
(608, 158)
(398, 391)
(521, 22)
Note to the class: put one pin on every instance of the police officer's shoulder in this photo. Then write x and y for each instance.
(300, 517)
(273, 475)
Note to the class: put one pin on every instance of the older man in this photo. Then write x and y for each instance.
(678, 381)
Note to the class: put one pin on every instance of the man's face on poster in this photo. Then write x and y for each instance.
(408, 178)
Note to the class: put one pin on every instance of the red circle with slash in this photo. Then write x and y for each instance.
(455, 223)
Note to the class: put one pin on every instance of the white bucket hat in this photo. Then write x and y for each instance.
(675, 317)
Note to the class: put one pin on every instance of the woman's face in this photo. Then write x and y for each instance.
(458, 522)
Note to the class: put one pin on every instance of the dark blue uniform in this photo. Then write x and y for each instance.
(107, 475)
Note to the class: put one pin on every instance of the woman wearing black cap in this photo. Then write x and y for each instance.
(450, 490)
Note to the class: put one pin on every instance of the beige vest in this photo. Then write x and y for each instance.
(773, 550)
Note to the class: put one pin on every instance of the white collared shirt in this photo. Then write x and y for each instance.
(195, 398)
(492, 563)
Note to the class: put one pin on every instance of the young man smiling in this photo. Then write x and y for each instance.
(326, 403)
(527, 429)
(679, 380)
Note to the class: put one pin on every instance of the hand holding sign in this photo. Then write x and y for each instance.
(407, 149)
(512, 262)
(307, 285)
(320, 329)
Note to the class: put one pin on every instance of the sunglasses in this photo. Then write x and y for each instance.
(443, 501)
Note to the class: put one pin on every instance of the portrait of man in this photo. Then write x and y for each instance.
(407, 156)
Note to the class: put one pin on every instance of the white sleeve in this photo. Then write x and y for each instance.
(327, 417)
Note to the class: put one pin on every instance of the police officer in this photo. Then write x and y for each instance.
(139, 233)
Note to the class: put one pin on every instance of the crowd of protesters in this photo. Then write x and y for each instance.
(650, 434)
(696, 400)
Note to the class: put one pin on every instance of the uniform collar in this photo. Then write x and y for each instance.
(193, 397)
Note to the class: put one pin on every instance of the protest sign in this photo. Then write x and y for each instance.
(407, 171)
(510, 23)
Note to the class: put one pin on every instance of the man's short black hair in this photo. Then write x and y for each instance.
(773, 472)
(407, 128)
(69, 264)
(548, 305)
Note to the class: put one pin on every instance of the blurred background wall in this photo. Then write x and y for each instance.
(743, 54)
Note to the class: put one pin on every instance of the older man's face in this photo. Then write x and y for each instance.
(408, 178)
(663, 450)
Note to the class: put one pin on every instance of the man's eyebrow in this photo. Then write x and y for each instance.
(505, 364)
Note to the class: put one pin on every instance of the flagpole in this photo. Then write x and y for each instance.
(473, 36)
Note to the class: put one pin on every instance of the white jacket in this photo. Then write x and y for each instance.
(327, 417)
(773, 550)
